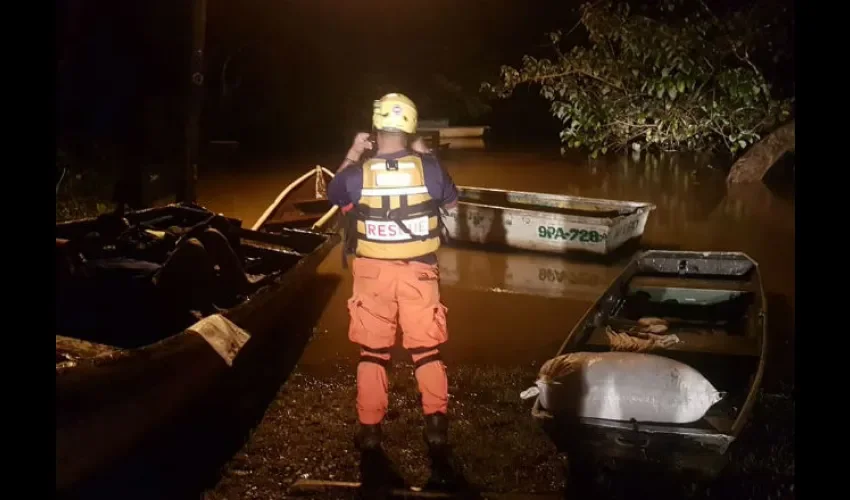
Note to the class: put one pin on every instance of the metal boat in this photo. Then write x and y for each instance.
(715, 306)
(127, 358)
(545, 222)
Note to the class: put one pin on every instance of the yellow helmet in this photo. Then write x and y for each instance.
(394, 113)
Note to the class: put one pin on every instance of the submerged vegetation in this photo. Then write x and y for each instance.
(675, 77)
(80, 192)
(89, 188)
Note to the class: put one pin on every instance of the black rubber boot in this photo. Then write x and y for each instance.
(437, 431)
(368, 437)
(443, 475)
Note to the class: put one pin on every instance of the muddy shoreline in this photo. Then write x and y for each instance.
(307, 434)
(222, 451)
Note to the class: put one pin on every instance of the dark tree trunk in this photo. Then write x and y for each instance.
(755, 163)
(186, 183)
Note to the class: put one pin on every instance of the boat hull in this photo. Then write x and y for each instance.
(532, 221)
(109, 399)
(732, 359)
(456, 132)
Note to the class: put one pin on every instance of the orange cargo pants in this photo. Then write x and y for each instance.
(387, 294)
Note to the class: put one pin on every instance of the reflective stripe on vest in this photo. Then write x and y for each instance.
(396, 217)
(394, 191)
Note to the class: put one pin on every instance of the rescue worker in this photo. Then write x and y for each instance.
(395, 198)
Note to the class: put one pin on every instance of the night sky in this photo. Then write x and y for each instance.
(308, 70)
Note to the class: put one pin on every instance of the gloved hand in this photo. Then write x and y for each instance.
(419, 146)
(360, 144)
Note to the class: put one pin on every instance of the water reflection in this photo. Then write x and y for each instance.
(525, 273)
(455, 143)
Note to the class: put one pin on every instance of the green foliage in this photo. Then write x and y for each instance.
(672, 82)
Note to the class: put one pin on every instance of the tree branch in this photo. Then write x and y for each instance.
(570, 72)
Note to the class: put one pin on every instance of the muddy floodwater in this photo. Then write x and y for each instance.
(516, 308)
(508, 312)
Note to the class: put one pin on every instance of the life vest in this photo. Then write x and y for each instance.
(396, 218)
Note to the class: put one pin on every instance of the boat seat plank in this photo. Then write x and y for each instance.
(695, 342)
(722, 424)
(699, 284)
(674, 323)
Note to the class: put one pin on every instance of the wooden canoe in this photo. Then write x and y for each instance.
(545, 222)
(302, 204)
(111, 394)
(715, 305)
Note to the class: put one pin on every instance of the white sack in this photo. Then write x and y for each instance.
(625, 386)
